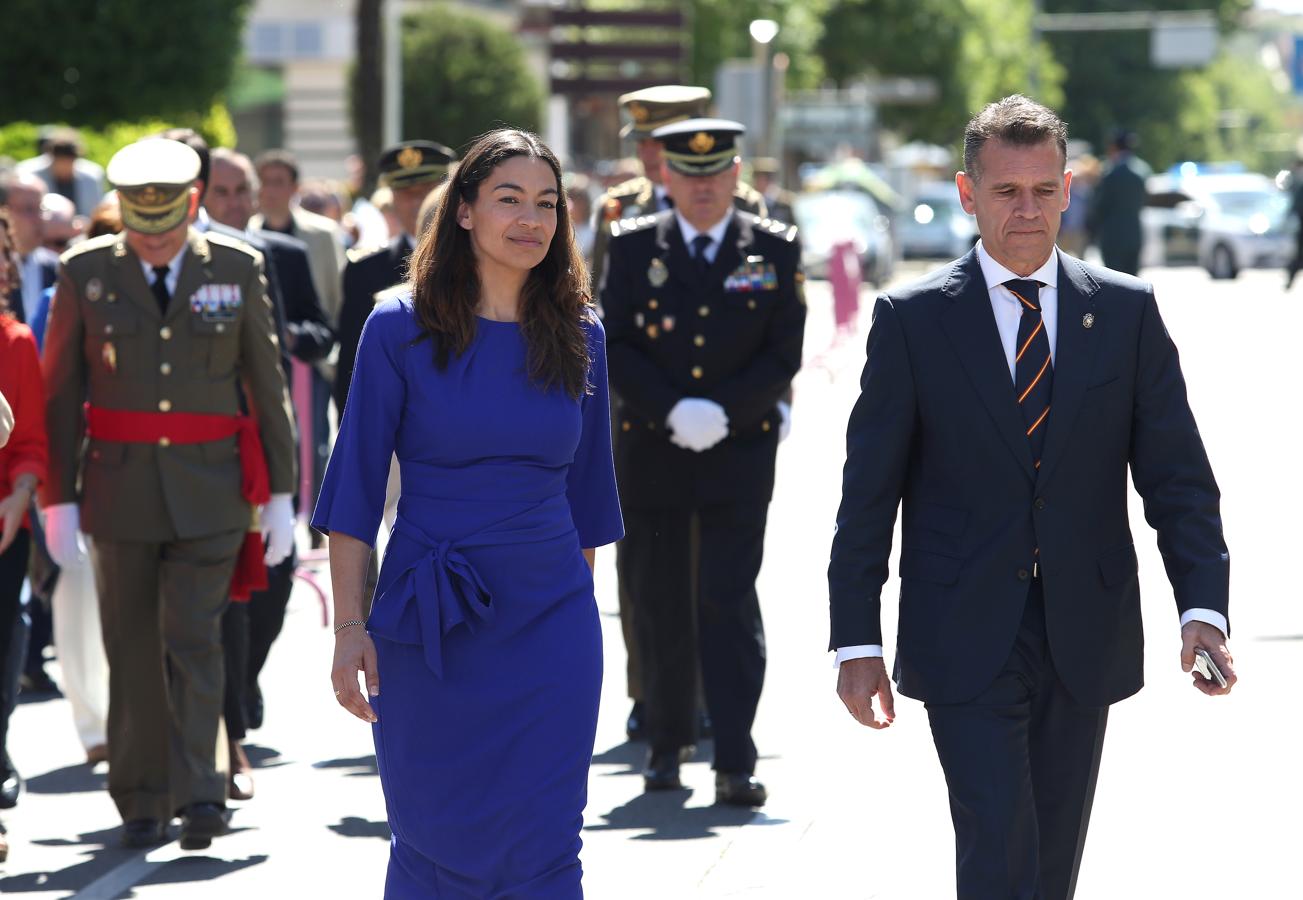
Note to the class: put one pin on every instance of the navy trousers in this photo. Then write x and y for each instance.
(1021, 761)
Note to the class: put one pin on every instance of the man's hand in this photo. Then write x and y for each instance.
(858, 681)
(1209, 637)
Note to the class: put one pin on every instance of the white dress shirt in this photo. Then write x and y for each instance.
(715, 232)
(1007, 312)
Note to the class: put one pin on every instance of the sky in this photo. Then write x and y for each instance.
(1287, 6)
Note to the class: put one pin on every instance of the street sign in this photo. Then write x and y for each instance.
(1181, 45)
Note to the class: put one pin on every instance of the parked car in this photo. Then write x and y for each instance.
(1234, 221)
(827, 218)
(935, 225)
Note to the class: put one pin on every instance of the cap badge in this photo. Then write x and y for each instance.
(1088, 320)
(657, 273)
(410, 157)
(639, 112)
(701, 143)
(149, 196)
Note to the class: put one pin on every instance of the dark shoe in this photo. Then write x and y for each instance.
(200, 823)
(97, 754)
(11, 785)
(635, 727)
(37, 682)
(739, 789)
(705, 727)
(662, 771)
(253, 708)
(143, 833)
(241, 786)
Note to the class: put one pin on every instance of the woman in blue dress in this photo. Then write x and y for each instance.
(482, 652)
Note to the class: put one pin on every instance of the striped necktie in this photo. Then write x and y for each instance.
(1033, 370)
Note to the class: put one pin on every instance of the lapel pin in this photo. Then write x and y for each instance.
(1088, 320)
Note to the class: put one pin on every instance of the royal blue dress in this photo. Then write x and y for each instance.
(485, 626)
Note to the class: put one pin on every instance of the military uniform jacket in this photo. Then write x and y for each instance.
(732, 336)
(364, 277)
(108, 343)
(637, 197)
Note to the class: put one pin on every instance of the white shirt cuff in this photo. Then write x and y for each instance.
(1211, 616)
(859, 651)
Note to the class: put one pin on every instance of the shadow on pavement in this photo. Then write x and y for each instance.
(78, 779)
(666, 817)
(104, 855)
(264, 757)
(198, 868)
(355, 826)
(629, 754)
(366, 765)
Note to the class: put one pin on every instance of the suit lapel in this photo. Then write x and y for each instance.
(674, 253)
(970, 326)
(733, 249)
(1074, 358)
(196, 269)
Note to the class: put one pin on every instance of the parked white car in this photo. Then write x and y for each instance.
(827, 218)
(1231, 222)
(934, 225)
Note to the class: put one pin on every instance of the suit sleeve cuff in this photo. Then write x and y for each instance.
(859, 651)
(1210, 616)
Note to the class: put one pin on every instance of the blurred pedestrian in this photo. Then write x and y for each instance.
(766, 178)
(22, 468)
(581, 205)
(1019, 599)
(1296, 212)
(1074, 235)
(705, 312)
(60, 224)
(410, 170)
(21, 195)
(157, 333)
(484, 622)
(1114, 216)
(66, 173)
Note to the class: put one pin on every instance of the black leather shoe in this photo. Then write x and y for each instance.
(200, 823)
(635, 727)
(11, 785)
(662, 771)
(37, 681)
(143, 833)
(739, 789)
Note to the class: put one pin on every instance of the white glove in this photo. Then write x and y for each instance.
(785, 426)
(63, 538)
(697, 424)
(276, 520)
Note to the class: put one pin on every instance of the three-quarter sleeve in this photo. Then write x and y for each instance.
(590, 484)
(27, 452)
(352, 496)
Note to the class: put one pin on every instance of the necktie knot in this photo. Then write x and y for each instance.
(1026, 291)
(161, 273)
(700, 244)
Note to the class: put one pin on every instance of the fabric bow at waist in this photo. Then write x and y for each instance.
(441, 588)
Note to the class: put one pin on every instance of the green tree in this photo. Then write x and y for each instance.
(1110, 83)
(464, 75)
(89, 62)
(721, 31)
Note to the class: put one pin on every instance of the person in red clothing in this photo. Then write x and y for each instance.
(22, 468)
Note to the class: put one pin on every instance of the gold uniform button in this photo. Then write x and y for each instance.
(108, 329)
(764, 426)
(751, 304)
(220, 328)
(165, 442)
(165, 368)
(653, 303)
(165, 333)
(699, 340)
(165, 406)
(625, 426)
(697, 372)
(703, 311)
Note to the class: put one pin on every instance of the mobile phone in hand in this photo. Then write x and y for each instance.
(1204, 665)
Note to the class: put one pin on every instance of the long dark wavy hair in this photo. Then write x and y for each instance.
(555, 301)
(13, 266)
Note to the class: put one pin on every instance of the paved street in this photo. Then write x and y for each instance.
(1197, 797)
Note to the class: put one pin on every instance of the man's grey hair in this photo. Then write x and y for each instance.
(240, 160)
(1014, 120)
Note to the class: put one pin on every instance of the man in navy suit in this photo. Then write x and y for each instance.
(1003, 399)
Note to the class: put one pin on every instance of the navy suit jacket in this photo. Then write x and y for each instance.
(937, 431)
(364, 276)
(49, 261)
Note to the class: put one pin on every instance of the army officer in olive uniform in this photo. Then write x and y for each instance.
(164, 334)
(704, 316)
(411, 170)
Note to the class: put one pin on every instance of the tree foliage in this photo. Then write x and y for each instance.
(464, 75)
(90, 62)
(721, 31)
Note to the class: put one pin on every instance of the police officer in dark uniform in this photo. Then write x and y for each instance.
(704, 314)
(411, 170)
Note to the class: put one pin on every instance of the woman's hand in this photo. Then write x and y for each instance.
(354, 652)
(12, 509)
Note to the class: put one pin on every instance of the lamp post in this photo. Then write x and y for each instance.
(763, 32)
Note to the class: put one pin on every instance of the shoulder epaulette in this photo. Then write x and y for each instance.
(636, 223)
(777, 228)
(103, 242)
(357, 254)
